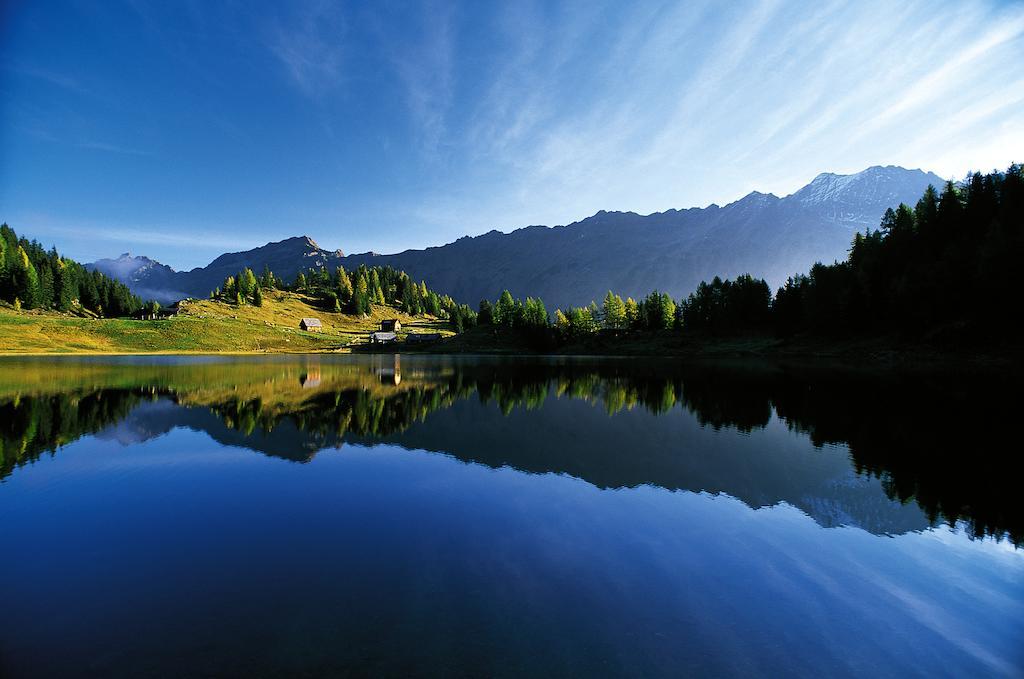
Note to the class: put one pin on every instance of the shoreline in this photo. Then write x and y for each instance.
(862, 357)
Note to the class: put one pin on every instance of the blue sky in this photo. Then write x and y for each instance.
(183, 130)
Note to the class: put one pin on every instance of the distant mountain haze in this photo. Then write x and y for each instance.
(157, 281)
(672, 251)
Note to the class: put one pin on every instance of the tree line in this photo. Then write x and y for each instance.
(353, 293)
(33, 278)
(948, 263)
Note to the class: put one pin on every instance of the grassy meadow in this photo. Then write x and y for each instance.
(202, 326)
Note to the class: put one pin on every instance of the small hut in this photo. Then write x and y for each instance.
(311, 325)
(419, 337)
(390, 325)
(383, 337)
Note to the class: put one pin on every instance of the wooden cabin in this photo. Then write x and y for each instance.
(420, 337)
(390, 325)
(383, 337)
(311, 325)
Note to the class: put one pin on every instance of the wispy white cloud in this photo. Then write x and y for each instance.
(58, 79)
(111, 148)
(143, 234)
(949, 76)
(178, 245)
(310, 46)
(425, 68)
(696, 104)
(474, 116)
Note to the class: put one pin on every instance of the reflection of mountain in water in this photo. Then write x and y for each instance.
(611, 423)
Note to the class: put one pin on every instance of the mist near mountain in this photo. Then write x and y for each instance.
(153, 280)
(672, 251)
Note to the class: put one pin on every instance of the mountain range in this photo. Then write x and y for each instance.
(672, 251)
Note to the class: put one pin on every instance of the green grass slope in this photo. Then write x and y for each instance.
(201, 326)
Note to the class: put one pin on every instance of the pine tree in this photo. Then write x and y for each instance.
(614, 312)
(24, 279)
(376, 294)
(361, 298)
(257, 296)
(485, 315)
(535, 315)
(561, 322)
(66, 286)
(632, 311)
(505, 310)
(267, 280)
(668, 312)
(581, 320)
(926, 209)
(3, 262)
(246, 282)
(343, 285)
(46, 285)
(408, 299)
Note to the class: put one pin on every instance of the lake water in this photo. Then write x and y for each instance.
(413, 515)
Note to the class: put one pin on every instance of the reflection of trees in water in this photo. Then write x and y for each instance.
(355, 411)
(32, 425)
(947, 448)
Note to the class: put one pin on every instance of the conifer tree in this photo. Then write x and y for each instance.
(246, 282)
(535, 315)
(561, 322)
(361, 297)
(267, 279)
(668, 312)
(24, 279)
(408, 299)
(632, 311)
(343, 285)
(614, 312)
(46, 285)
(376, 293)
(485, 314)
(505, 310)
(65, 285)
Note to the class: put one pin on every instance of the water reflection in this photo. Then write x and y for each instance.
(894, 454)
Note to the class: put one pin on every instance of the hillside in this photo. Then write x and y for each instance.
(760, 234)
(200, 326)
(157, 281)
(32, 277)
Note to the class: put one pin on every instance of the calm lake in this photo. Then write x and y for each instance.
(446, 516)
